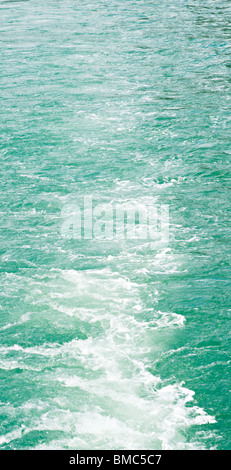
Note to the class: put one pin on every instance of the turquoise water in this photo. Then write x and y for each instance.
(113, 344)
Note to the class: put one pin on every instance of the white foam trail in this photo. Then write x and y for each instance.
(114, 400)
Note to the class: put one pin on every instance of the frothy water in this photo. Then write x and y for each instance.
(115, 344)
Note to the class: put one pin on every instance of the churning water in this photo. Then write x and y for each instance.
(115, 344)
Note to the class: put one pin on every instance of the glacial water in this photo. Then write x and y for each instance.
(115, 344)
